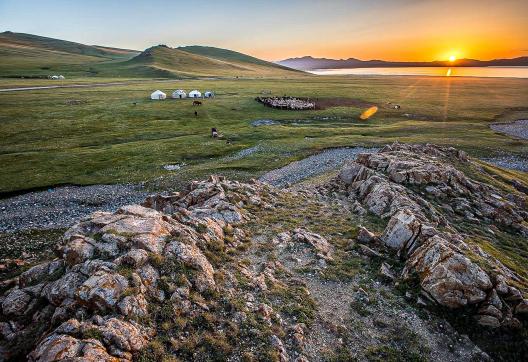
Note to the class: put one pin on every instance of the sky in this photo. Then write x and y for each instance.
(403, 30)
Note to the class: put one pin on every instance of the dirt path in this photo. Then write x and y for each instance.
(90, 85)
(312, 166)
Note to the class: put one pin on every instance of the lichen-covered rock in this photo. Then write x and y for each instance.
(102, 290)
(488, 321)
(447, 275)
(57, 291)
(134, 258)
(193, 257)
(77, 251)
(73, 340)
(134, 306)
(402, 231)
(322, 247)
(56, 348)
(16, 302)
(40, 272)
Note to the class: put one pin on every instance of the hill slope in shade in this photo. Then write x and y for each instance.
(310, 63)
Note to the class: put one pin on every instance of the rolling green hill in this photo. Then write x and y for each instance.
(31, 55)
(162, 61)
(26, 55)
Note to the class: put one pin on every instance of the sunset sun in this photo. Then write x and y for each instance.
(452, 58)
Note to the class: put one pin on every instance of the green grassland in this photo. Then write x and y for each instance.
(103, 137)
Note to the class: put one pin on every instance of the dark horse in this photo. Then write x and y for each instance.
(197, 103)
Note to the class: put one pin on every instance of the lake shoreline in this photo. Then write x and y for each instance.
(519, 72)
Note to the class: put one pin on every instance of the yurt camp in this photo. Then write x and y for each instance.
(195, 94)
(158, 95)
(179, 94)
(209, 94)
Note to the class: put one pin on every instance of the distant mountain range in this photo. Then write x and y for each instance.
(27, 55)
(310, 63)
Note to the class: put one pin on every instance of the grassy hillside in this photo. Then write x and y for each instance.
(228, 55)
(162, 61)
(27, 55)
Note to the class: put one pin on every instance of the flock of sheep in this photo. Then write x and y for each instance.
(286, 103)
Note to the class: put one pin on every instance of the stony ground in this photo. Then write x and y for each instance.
(517, 129)
(60, 207)
(511, 162)
(389, 260)
(312, 166)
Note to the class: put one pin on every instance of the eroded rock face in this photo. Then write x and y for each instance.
(402, 231)
(447, 275)
(112, 266)
(391, 184)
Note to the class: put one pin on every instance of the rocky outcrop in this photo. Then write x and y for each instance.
(395, 183)
(173, 267)
(112, 267)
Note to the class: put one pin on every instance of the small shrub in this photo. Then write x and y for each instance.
(156, 260)
(93, 333)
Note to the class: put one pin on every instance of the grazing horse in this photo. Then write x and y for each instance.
(197, 103)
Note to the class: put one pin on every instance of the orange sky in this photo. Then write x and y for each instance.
(414, 31)
(409, 30)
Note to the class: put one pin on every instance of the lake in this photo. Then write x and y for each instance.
(500, 72)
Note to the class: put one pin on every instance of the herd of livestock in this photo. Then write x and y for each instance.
(292, 103)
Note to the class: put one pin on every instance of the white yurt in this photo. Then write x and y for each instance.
(179, 94)
(209, 94)
(157, 95)
(195, 94)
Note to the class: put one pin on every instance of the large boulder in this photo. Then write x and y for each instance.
(447, 275)
(191, 256)
(402, 230)
(102, 290)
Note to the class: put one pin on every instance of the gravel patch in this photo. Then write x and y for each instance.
(174, 167)
(244, 153)
(314, 165)
(62, 206)
(517, 129)
(517, 163)
(263, 122)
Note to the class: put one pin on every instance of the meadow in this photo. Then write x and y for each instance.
(116, 134)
